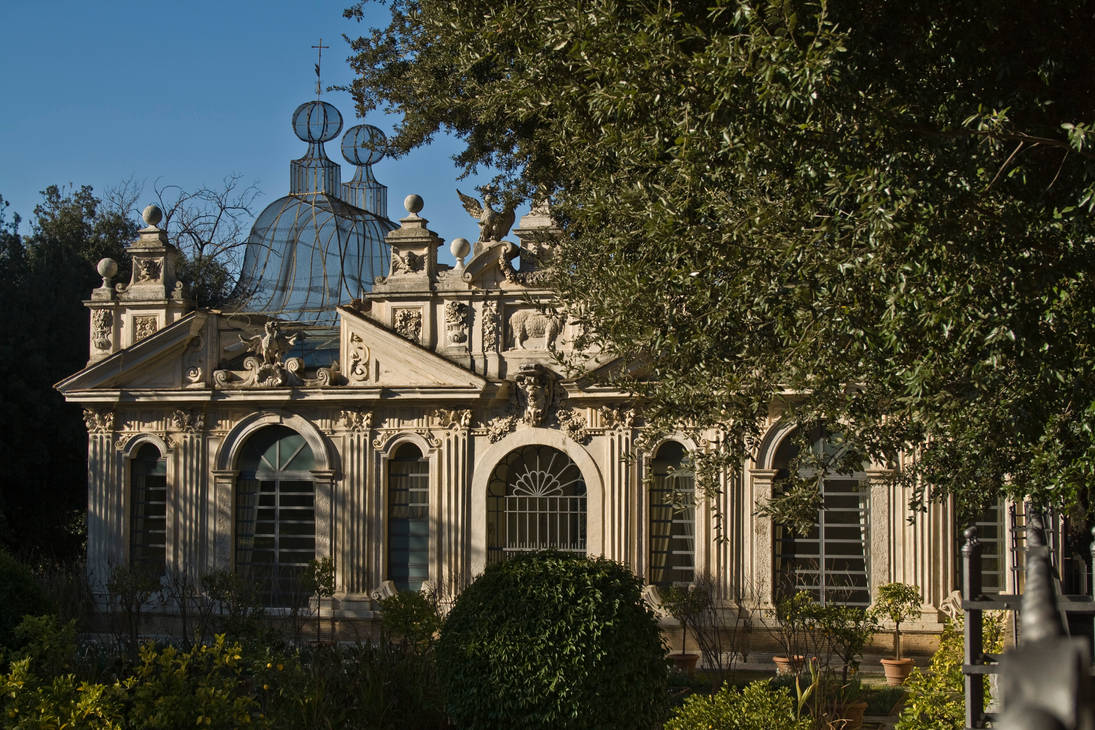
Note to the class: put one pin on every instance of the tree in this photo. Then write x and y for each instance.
(879, 214)
(209, 226)
(43, 338)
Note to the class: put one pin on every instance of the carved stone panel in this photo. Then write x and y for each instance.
(456, 322)
(490, 327)
(359, 359)
(145, 326)
(102, 328)
(408, 323)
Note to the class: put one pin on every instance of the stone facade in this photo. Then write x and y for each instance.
(455, 364)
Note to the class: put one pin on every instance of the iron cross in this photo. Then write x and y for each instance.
(320, 47)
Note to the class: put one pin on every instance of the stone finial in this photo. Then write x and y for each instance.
(108, 269)
(413, 203)
(460, 248)
(152, 215)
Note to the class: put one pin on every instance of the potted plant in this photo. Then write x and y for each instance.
(845, 631)
(685, 605)
(796, 617)
(898, 602)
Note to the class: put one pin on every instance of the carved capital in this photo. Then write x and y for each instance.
(99, 420)
(357, 421)
(192, 421)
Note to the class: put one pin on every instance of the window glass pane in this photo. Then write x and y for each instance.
(536, 500)
(672, 519)
(408, 518)
(148, 511)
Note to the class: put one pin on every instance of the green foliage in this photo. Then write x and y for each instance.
(935, 699)
(44, 338)
(552, 641)
(758, 706)
(49, 645)
(882, 208)
(412, 616)
(19, 595)
(898, 602)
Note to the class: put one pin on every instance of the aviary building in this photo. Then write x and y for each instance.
(407, 419)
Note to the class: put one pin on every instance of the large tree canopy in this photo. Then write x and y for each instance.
(879, 211)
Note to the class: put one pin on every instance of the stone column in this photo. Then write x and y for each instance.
(617, 516)
(106, 544)
(352, 534)
(189, 541)
(453, 526)
(325, 491)
(881, 529)
(223, 518)
(761, 548)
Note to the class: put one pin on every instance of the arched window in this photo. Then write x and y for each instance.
(148, 511)
(408, 518)
(275, 514)
(536, 500)
(830, 560)
(672, 518)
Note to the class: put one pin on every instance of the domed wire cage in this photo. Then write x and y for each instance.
(310, 251)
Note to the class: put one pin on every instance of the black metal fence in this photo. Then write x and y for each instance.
(1031, 676)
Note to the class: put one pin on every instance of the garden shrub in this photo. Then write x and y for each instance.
(935, 699)
(20, 595)
(546, 640)
(758, 706)
(411, 616)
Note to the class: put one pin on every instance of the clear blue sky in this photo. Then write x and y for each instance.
(186, 93)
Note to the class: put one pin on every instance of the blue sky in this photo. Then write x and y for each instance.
(186, 93)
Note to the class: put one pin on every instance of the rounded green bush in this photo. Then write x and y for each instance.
(20, 595)
(759, 706)
(552, 641)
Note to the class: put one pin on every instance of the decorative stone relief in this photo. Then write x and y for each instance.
(102, 326)
(573, 424)
(490, 327)
(359, 359)
(456, 322)
(536, 389)
(526, 324)
(269, 369)
(147, 270)
(357, 421)
(192, 421)
(145, 326)
(195, 353)
(449, 418)
(497, 428)
(98, 421)
(409, 263)
(432, 440)
(621, 417)
(408, 324)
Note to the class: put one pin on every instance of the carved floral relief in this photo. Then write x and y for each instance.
(102, 328)
(408, 324)
(145, 326)
(490, 327)
(456, 322)
(359, 358)
(98, 421)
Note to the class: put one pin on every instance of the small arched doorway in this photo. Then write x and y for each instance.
(275, 515)
(536, 500)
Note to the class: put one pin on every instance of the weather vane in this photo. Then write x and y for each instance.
(319, 60)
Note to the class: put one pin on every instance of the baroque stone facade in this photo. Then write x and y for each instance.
(439, 435)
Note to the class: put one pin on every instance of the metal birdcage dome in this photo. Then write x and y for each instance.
(312, 250)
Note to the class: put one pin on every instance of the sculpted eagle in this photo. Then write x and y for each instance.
(493, 225)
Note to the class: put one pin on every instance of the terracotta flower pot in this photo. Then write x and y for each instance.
(897, 671)
(787, 665)
(685, 662)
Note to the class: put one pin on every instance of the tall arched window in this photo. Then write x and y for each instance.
(275, 514)
(148, 511)
(672, 518)
(536, 500)
(408, 518)
(830, 560)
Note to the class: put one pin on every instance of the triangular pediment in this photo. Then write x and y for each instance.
(373, 355)
(153, 362)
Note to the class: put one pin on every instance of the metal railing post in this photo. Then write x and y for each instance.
(972, 639)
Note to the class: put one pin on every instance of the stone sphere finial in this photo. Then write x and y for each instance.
(152, 215)
(108, 269)
(460, 248)
(413, 204)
